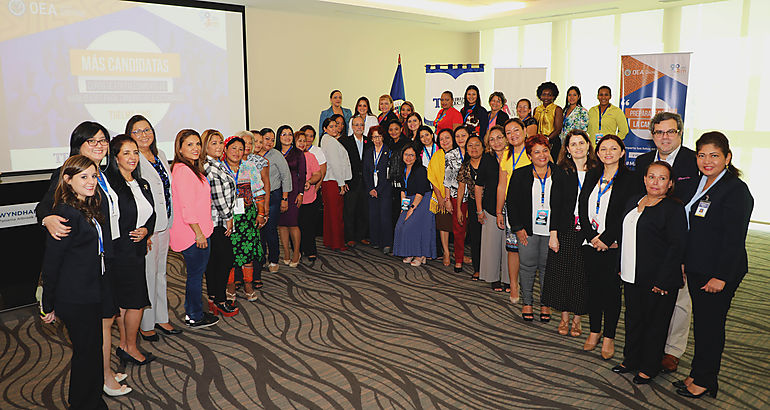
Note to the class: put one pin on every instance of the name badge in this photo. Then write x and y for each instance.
(577, 223)
(239, 208)
(594, 225)
(542, 217)
(375, 179)
(703, 207)
(405, 204)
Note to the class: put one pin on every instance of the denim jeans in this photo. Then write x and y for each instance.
(196, 260)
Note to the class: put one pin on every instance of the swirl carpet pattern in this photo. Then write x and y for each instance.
(361, 330)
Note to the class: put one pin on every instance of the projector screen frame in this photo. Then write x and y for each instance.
(181, 3)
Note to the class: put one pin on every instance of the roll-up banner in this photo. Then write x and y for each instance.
(649, 84)
(449, 77)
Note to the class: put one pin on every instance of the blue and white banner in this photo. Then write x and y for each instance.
(449, 77)
(651, 83)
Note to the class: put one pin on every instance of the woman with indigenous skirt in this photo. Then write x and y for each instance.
(415, 236)
(249, 211)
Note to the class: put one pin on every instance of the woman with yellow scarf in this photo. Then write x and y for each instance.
(441, 202)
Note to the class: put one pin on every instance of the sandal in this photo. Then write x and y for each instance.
(527, 316)
(458, 269)
(507, 288)
(230, 296)
(257, 284)
(576, 328)
(416, 262)
(545, 317)
(446, 261)
(408, 259)
(252, 297)
(475, 277)
(564, 327)
(497, 286)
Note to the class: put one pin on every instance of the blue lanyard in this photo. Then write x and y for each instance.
(606, 188)
(406, 178)
(493, 119)
(377, 157)
(103, 185)
(462, 157)
(234, 174)
(470, 111)
(601, 114)
(432, 151)
(542, 184)
(99, 231)
(513, 168)
(287, 152)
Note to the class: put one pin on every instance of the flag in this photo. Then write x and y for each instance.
(397, 89)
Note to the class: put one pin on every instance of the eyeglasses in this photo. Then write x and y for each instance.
(144, 131)
(93, 142)
(671, 133)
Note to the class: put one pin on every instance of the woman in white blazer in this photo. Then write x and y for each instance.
(153, 167)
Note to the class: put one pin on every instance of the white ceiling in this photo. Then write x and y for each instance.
(465, 15)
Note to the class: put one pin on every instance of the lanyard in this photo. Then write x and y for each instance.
(284, 155)
(470, 111)
(377, 157)
(462, 157)
(234, 174)
(517, 160)
(606, 188)
(542, 180)
(493, 120)
(441, 115)
(432, 151)
(382, 117)
(406, 178)
(601, 114)
(101, 242)
(103, 185)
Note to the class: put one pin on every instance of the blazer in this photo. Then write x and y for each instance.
(716, 242)
(661, 233)
(623, 187)
(147, 171)
(564, 213)
(124, 246)
(45, 208)
(519, 198)
(346, 113)
(481, 115)
(72, 268)
(500, 120)
(685, 169)
(356, 167)
(383, 165)
(387, 118)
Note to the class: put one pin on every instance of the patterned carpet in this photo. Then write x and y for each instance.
(359, 329)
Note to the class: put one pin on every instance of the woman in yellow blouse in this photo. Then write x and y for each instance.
(549, 116)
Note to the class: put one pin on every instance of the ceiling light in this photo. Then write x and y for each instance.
(439, 8)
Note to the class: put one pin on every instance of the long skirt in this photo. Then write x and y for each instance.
(247, 245)
(566, 285)
(416, 236)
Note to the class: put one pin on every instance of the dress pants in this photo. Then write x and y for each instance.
(269, 232)
(219, 265)
(155, 272)
(459, 230)
(709, 312)
(334, 228)
(474, 235)
(647, 319)
(309, 219)
(555, 148)
(532, 258)
(494, 257)
(84, 325)
(355, 213)
(380, 214)
(604, 292)
(679, 329)
(195, 260)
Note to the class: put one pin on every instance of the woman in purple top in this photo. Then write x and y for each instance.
(288, 222)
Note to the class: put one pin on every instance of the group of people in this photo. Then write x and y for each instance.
(544, 194)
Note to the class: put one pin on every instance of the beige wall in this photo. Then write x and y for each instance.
(295, 60)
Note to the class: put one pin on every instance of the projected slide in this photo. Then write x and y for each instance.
(64, 62)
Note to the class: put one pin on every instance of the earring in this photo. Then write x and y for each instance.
(569, 155)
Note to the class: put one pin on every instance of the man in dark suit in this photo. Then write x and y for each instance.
(355, 211)
(666, 129)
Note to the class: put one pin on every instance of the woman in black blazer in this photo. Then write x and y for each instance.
(651, 253)
(376, 160)
(531, 216)
(601, 208)
(715, 258)
(137, 222)
(72, 278)
(474, 115)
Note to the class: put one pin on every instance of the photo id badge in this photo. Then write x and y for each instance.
(542, 217)
(594, 225)
(703, 207)
(239, 208)
(376, 179)
(577, 223)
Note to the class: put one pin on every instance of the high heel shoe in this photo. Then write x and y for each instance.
(563, 327)
(458, 269)
(686, 393)
(679, 384)
(576, 330)
(641, 380)
(591, 344)
(116, 392)
(608, 348)
(620, 369)
(151, 338)
(225, 309)
(125, 358)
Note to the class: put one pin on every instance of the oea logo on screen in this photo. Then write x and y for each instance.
(17, 8)
(640, 114)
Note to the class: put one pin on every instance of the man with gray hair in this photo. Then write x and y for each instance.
(666, 129)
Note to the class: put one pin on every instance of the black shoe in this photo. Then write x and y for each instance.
(386, 250)
(152, 338)
(686, 393)
(166, 331)
(620, 369)
(207, 320)
(458, 269)
(679, 384)
(641, 380)
(545, 317)
(127, 358)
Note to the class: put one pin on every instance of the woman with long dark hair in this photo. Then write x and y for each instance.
(310, 211)
(575, 115)
(363, 109)
(466, 183)
(474, 115)
(378, 187)
(415, 234)
(334, 186)
(288, 225)
(454, 160)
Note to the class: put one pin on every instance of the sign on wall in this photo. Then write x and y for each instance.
(452, 77)
(17, 215)
(649, 84)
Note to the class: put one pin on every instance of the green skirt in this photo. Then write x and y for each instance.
(247, 246)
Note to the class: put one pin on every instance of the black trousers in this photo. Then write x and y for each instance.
(555, 148)
(709, 313)
(604, 292)
(474, 234)
(309, 223)
(219, 265)
(380, 226)
(648, 316)
(84, 325)
(354, 213)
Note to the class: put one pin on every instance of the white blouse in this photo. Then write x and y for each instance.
(112, 199)
(601, 216)
(143, 207)
(628, 247)
(337, 161)
(541, 210)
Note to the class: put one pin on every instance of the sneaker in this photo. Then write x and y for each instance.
(207, 320)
